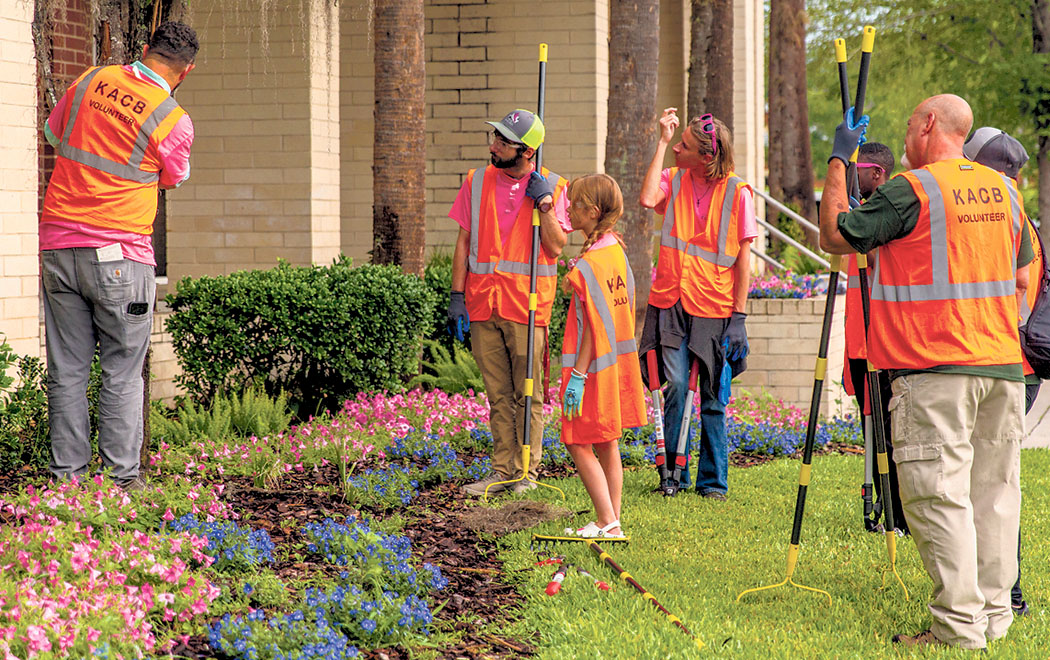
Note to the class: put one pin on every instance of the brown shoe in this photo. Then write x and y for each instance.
(133, 484)
(477, 488)
(925, 638)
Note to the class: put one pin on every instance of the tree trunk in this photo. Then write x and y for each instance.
(634, 42)
(398, 180)
(790, 161)
(699, 38)
(720, 55)
(1041, 45)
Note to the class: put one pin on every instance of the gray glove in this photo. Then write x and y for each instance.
(848, 136)
(735, 337)
(458, 318)
(539, 187)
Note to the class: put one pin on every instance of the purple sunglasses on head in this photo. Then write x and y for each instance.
(707, 125)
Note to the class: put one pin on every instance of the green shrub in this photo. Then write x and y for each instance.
(438, 278)
(318, 333)
(23, 412)
(251, 413)
(453, 373)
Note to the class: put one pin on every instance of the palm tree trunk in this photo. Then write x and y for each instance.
(711, 60)
(634, 43)
(398, 181)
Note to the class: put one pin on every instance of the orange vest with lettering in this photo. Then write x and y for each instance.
(1035, 272)
(696, 263)
(603, 298)
(498, 272)
(945, 293)
(107, 166)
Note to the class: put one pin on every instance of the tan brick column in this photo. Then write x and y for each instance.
(265, 165)
(19, 270)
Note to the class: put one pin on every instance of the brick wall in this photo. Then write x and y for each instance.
(266, 152)
(19, 279)
(784, 336)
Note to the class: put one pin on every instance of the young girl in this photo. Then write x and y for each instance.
(601, 379)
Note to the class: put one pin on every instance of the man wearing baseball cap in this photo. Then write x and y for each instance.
(490, 285)
(996, 149)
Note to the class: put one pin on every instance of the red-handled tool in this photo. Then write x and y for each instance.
(604, 586)
(554, 586)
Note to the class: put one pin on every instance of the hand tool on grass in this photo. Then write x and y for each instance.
(601, 584)
(626, 577)
(544, 543)
(679, 455)
(526, 446)
(658, 418)
(554, 586)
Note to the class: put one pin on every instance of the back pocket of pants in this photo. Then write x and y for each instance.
(115, 281)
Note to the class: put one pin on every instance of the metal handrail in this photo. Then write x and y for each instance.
(788, 212)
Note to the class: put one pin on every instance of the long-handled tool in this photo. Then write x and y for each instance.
(626, 577)
(544, 543)
(658, 418)
(680, 454)
(526, 441)
(874, 392)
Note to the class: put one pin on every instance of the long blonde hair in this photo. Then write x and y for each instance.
(723, 163)
(602, 191)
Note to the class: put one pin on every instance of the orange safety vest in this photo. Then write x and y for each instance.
(696, 262)
(856, 344)
(945, 293)
(1035, 273)
(613, 398)
(498, 272)
(108, 166)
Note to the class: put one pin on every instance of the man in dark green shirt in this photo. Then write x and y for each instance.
(944, 323)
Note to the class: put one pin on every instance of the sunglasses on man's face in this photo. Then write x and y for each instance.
(878, 168)
(707, 125)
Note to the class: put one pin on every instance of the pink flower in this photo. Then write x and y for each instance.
(37, 639)
(168, 515)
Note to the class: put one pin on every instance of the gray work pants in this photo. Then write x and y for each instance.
(89, 303)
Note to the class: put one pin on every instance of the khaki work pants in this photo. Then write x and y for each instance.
(500, 348)
(957, 441)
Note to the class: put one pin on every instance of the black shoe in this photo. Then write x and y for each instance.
(714, 495)
(670, 488)
(1020, 610)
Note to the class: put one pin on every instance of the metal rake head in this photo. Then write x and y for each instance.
(545, 544)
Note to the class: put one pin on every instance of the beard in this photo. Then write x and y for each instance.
(502, 163)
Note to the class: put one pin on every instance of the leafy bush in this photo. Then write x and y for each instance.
(454, 373)
(319, 333)
(438, 278)
(251, 413)
(24, 425)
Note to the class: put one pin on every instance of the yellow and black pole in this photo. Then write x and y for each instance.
(629, 579)
(530, 353)
(874, 391)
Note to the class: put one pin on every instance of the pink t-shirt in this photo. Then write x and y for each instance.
(174, 152)
(510, 195)
(702, 193)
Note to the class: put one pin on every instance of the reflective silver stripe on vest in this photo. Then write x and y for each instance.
(626, 346)
(853, 282)
(675, 243)
(941, 288)
(159, 114)
(129, 170)
(477, 181)
(1026, 311)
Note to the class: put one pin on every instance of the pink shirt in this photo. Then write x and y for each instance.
(702, 192)
(510, 195)
(174, 152)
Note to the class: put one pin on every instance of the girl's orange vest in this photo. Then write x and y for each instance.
(945, 293)
(107, 167)
(498, 272)
(696, 263)
(613, 398)
(1035, 273)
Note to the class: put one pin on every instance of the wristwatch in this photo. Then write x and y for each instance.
(545, 205)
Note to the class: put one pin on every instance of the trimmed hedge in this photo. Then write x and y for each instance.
(321, 334)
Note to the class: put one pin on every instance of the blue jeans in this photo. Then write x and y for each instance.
(712, 472)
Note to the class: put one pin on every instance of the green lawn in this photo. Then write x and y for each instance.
(696, 555)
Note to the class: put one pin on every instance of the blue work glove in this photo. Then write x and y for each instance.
(458, 318)
(848, 136)
(539, 187)
(726, 383)
(735, 338)
(572, 403)
(853, 203)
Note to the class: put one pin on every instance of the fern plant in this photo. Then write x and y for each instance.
(453, 373)
(251, 413)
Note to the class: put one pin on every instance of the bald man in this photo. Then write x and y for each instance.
(944, 325)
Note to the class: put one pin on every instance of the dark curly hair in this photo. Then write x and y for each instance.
(175, 42)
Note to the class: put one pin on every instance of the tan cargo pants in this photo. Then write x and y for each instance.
(500, 348)
(957, 441)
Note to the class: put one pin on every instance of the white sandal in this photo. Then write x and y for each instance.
(592, 531)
